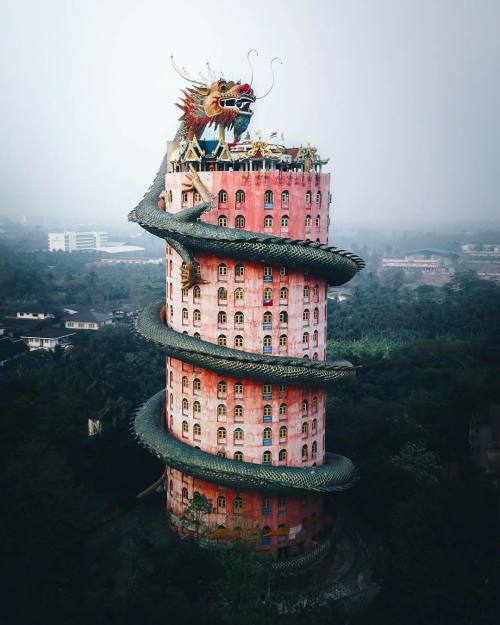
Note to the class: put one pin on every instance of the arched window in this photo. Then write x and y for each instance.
(266, 535)
(285, 197)
(171, 400)
(268, 273)
(308, 197)
(267, 457)
(238, 341)
(268, 344)
(238, 389)
(283, 272)
(196, 317)
(268, 199)
(197, 335)
(317, 222)
(222, 196)
(315, 404)
(305, 406)
(169, 196)
(221, 435)
(315, 356)
(221, 501)
(314, 449)
(306, 315)
(239, 222)
(268, 295)
(318, 197)
(304, 452)
(196, 292)
(267, 319)
(197, 197)
(239, 272)
(185, 428)
(304, 428)
(283, 340)
(238, 295)
(284, 221)
(196, 430)
(282, 455)
(283, 410)
(222, 271)
(316, 314)
(221, 388)
(239, 318)
(237, 504)
(305, 339)
(307, 221)
(238, 456)
(185, 316)
(238, 436)
(283, 433)
(222, 294)
(171, 378)
(238, 413)
(268, 221)
(267, 435)
(185, 406)
(197, 268)
(314, 426)
(222, 221)
(185, 494)
(221, 453)
(283, 292)
(171, 487)
(185, 383)
(316, 292)
(221, 410)
(268, 410)
(283, 317)
(306, 292)
(222, 318)
(315, 337)
(196, 385)
(222, 340)
(240, 196)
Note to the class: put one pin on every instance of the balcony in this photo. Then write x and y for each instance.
(267, 349)
(267, 442)
(268, 278)
(267, 418)
(267, 395)
(267, 326)
(268, 205)
(266, 512)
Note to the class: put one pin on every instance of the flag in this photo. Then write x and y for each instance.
(268, 302)
(273, 134)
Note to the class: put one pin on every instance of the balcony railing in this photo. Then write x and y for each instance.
(267, 441)
(267, 349)
(266, 512)
(267, 325)
(268, 205)
(267, 418)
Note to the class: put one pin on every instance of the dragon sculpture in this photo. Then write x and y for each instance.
(226, 103)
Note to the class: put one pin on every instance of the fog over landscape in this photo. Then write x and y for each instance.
(402, 96)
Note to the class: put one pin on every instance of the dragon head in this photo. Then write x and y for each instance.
(223, 103)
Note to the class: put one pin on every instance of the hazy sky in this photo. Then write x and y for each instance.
(402, 96)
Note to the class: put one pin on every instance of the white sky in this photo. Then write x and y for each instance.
(403, 96)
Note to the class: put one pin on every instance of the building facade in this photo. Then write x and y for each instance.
(71, 241)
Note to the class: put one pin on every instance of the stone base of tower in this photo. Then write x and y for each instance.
(286, 526)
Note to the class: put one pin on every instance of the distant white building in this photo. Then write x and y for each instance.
(33, 314)
(89, 320)
(47, 339)
(71, 241)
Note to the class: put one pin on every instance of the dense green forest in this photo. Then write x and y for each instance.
(76, 547)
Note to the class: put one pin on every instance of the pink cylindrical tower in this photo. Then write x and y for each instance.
(256, 308)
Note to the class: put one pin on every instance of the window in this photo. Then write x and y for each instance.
(266, 535)
(308, 197)
(268, 221)
(222, 221)
(221, 501)
(315, 338)
(283, 410)
(238, 389)
(283, 433)
(305, 428)
(197, 268)
(222, 197)
(282, 455)
(304, 452)
(239, 272)
(318, 197)
(237, 504)
(315, 404)
(306, 292)
(316, 292)
(222, 270)
(305, 316)
(314, 426)
(305, 340)
(238, 436)
(221, 410)
(185, 406)
(171, 378)
(283, 292)
(171, 400)
(196, 430)
(317, 222)
(315, 356)
(268, 199)
(184, 197)
(267, 391)
(221, 318)
(307, 221)
(185, 383)
(222, 340)
(283, 340)
(304, 406)
(196, 317)
(283, 272)
(284, 222)
(314, 449)
(238, 295)
(239, 318)
(267, 344)
(185, 428)
(267, 320)
(316, 314)
(239, 222)
(268, 410)
(185, 293)
(222, 294)
(185, 316)
(240, 196)
(185, 494)
(268, 273)
(221, 388)
(238, 413)
(238, 341)
(196, 292)
(268, 295)
(283, 317)
(169, 196)
(197, 335)
(171, 487)
(267, 436)
(281, 501)
(284, 197)
(267, 457)
(221, 435)
(196, 385)
(238, 456)
(197, 197)
(221, 453)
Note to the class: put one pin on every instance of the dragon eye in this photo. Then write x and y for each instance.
(223, 88)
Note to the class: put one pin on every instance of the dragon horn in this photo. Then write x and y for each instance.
(276, 58)
(183, 74)
(250, 63)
